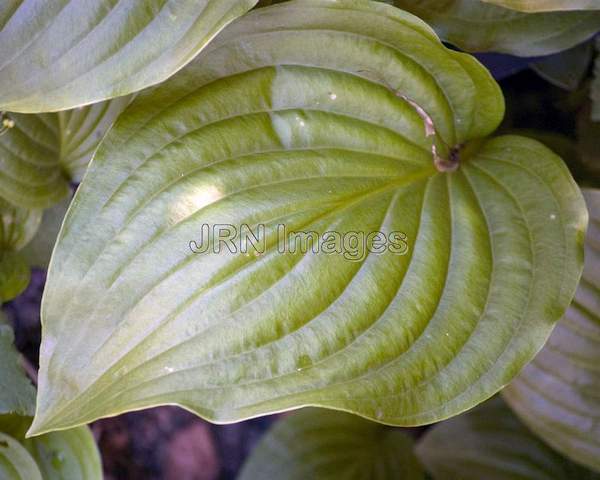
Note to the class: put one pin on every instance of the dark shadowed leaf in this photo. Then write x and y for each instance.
(14, 275)
(490, 443)
(328, 445)
(476, 26)
(566, 69)
(595, 88)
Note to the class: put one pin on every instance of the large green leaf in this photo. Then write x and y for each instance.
(15, 461)
(556, 395)
(40, 154)
(479, 27)
(71, 454)
(490, 443)
(547, 5)
(327, 445)
(17, 395)
(268, 127)
(61, 54)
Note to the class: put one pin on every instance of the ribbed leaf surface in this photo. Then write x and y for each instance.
(329, 445)
(61, 54)
(70, 454)
(42, 153)
(269, 127)
(490, 443)
(476, 26)
(15, 461)
(556, 395)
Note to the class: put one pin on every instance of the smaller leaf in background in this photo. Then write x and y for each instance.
(324, 444)
(588, 133)
(58, 55)
(42, 153)
(476, 26)
(17, 225)
(70, 454)
(547, 5)
(595, 87)
(568, 68)
(490, 443)
(30, 175)
(39, 250)
(15, 461)
(81, 131)
(14, 275)
(556, 395)
(17, 394)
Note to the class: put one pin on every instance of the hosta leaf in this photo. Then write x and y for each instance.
(556, 395)
(476, 26)
(17, 395)
(490, 443)
(332, 445)
(15, 461)
(566, 69)
(268, 127)
(547, 5)
(70, 454)
(80, 132)
(42, 153)
(60, 54)
(39, 249)
(17, 225)
(14, 275)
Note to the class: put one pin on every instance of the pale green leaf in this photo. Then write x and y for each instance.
(14, 275)
(475, 26)
(42, 153)
(39, 249)
(547, 5)
(17, 226)
(556, 395)
(17, 395)
(66, 455)
(15, 461)
(566, 69)
(324, 445)
(490, 443)
(268, 127)
(61, 54)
